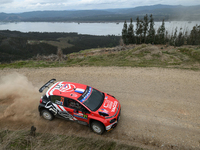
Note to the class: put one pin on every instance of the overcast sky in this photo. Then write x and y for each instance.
(15, 6)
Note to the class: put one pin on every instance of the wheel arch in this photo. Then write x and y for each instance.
(92, 120)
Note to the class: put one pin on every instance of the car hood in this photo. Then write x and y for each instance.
(109, 106)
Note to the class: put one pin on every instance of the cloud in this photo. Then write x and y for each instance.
(5, 1)
(35, 5)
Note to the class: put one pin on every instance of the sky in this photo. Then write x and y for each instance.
(17, 6)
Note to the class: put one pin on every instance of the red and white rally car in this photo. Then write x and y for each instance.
(81, 103)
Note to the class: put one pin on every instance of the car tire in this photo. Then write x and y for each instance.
(97, 127)
(47, 115)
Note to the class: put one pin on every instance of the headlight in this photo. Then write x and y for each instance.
(113, 120)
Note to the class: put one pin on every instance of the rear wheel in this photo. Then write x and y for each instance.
(47, 115)
(97, 127)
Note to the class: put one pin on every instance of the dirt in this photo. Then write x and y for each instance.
(160, 107)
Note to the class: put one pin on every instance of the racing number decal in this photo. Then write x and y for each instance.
(85, 116)
(62, 100)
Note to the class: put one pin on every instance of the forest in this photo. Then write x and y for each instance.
(15, 45)
(145, 33)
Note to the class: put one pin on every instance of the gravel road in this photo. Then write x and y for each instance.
(160, 107)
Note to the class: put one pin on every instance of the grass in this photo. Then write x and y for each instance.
(140, 56)
(20, 140)
(60, 43)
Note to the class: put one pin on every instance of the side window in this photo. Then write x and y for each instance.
(73, 104)
(57, 99)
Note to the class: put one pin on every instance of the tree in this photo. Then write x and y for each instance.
(180, 39)
(195, 35)
(131, 35)
(161, 33)
(139, 30)
(145, 26)
(125, 33)
(151, 31)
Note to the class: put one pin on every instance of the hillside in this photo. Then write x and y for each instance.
(167, 12)
(16, 45)
(145, 55)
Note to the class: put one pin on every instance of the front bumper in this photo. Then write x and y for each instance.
(114, 124)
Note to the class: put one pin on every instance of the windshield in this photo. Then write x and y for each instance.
(94, 99)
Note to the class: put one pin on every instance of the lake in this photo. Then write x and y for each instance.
(87, 28)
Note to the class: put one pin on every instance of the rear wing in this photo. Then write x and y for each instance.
(46, 85)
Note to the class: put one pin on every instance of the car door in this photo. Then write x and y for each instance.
(60, 103)
(79, 111)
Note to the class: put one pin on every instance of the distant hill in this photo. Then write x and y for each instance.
(160, 12)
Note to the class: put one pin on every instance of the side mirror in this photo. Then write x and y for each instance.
(75, 110)
(84, 111)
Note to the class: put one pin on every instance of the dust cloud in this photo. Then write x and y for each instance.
(21, 97)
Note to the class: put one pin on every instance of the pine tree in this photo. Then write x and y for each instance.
(131, 36)
(125, 33)
(174, 38)
(180, 39)
(161, 33)
(151, 31)
(195, 35)
(145, 26)
(139, 30)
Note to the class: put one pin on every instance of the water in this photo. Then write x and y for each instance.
(87, 28)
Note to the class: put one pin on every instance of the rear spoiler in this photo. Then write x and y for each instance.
(46, 85)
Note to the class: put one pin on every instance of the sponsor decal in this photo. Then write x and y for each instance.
(65, 114)
(109, 104)
(114, 106)
(62, 112)
(87, 95)
(80, 115)
(51, 108)
(103, 111)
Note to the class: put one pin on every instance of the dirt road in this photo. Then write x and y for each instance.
(160, 107)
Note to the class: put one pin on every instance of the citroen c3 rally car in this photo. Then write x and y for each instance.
(80, 103)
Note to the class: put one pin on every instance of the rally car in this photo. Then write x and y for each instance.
(80, 103)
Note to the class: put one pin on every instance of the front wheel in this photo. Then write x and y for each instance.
(47, 115)
(97, 127)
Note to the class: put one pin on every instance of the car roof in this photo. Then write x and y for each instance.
(66, 89)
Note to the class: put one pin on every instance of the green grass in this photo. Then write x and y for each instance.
(140, 56)
(21, 140)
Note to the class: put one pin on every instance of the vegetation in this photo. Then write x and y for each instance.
(21, 140)
(186, 57)
(16, 45)
(145, 33)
